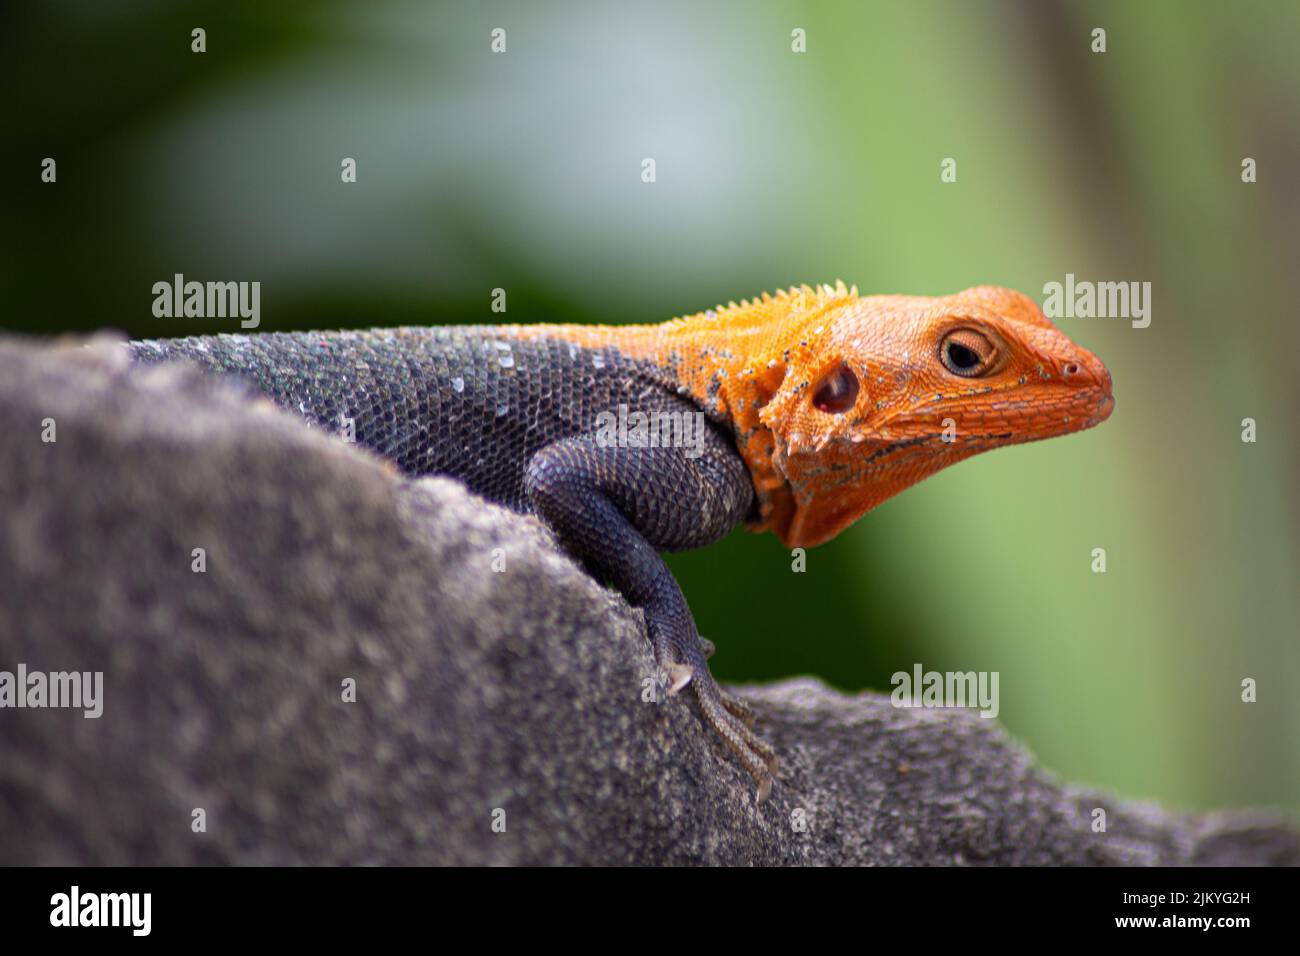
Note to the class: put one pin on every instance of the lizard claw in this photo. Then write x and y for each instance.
(679, 675)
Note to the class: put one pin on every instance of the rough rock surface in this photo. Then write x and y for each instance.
(491, 675)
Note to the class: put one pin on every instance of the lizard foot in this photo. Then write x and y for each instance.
(729, 716)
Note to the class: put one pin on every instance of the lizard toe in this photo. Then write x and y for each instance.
(738, 709)
(755, 754)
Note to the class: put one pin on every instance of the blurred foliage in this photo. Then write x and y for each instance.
(522, 171)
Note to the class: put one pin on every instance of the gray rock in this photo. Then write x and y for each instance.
(491, 676)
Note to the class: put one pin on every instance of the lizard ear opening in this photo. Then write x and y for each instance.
(837, 392)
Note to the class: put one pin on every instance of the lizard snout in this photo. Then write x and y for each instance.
(1085, 370)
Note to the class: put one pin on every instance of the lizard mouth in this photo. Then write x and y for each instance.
(1104, 408)
(1015, 417)
(1094, 405)
(1084, 411)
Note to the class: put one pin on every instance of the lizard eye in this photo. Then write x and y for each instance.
(967, 353)
(838, 391)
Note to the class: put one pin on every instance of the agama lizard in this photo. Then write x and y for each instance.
(817, 405)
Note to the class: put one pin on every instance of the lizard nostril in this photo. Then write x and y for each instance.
(1071, 368)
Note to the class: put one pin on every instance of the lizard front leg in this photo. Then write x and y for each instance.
(615, 508)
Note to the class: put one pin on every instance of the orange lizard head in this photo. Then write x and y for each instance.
(878, 393)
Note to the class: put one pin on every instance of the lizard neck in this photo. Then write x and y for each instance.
(732, 360)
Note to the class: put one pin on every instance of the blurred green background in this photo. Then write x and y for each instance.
(522, 170)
